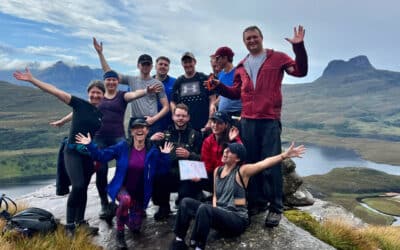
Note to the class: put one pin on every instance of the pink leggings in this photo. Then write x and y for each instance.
(129, 212)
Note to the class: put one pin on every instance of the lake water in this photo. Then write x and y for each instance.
(318, 160)
(321, 160)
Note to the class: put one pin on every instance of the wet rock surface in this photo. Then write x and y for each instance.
(158, 235)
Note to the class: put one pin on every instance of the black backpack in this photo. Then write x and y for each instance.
(29, 221)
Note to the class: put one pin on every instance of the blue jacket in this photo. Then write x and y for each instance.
(154, 161)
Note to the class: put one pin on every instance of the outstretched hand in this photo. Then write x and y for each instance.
(98, 47)
(298, 35)
(23, 76)
(155, 88)
(168, 146)
(81, 139)
(58, 123)
(293, 151)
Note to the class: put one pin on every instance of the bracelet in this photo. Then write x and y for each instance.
(145, 90)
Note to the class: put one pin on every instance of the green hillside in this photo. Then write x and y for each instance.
(25, 114)
(346, 186)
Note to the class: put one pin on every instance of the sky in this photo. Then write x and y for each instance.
(45, 31)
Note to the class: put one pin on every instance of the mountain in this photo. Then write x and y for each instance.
(72, 79)
(350, 99)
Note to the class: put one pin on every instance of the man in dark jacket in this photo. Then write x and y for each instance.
(187, 145)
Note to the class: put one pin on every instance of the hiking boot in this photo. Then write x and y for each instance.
(104, 212)
(162, 213)
(272, 219)
(178, 245)
(92, 231)
(70, 230)
(121, 243)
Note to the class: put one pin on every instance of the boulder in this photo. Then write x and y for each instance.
(158, 235)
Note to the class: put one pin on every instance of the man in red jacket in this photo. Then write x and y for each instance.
(257, 82)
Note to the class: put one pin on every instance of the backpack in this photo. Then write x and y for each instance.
(30, 221)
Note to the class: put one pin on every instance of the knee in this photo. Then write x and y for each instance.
(124, 201)
(204, 209)
(184, 203)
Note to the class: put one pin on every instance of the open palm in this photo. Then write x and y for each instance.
(298, 35)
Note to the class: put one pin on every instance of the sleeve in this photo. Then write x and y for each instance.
(195, 153)
(175, 91)
(300, 64)
(164, 163)
(234, 91)
(124, 79)
(105, 154)
(162, 93)
(206, 154)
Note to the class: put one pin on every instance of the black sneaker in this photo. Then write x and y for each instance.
(162, 213)
(121, 243)
(92, 231)
(178, 245)
(103, 212)
(272, 219)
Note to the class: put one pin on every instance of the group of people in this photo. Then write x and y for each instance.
(230, 121)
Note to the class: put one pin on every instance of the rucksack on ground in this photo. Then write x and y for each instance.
(31, 221)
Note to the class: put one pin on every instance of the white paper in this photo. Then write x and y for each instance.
(192, 169)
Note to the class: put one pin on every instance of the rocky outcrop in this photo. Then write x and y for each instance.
(295, 194)
(158, 235)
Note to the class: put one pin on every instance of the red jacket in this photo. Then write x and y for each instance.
(265, 101)
(211, 152)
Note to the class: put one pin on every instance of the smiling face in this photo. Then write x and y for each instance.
(229, 158)
(111, 83)
(181, 117)
(139, 132)
(253, 41)
(162, 67)
(218, 127)
(95, 95)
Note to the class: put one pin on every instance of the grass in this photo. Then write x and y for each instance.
(349, 202)
(384, 204)
(343, 236)
(56, 240)
(27, 165)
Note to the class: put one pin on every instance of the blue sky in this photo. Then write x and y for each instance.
(47, 31)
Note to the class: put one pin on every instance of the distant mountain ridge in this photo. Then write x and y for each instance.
(72, 79)
(350, 99)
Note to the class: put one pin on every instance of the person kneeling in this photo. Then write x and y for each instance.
(228, 212)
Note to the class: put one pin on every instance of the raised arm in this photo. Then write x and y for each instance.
(132, 95)
(99, 49)
(249, 170)
(62, 121)
(46, 87)
(300, 67)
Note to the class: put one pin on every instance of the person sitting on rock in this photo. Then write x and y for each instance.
(214, 145)
(228, 212)
(137, 162)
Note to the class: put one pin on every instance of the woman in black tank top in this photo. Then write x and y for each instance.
(228, 213)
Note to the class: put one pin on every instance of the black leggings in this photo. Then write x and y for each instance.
(79, 169)
(206, 216)
(102, 172)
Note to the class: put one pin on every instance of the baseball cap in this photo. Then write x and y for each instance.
(221, 116)
(145, 59)
(238, 149)
(188, 55)
(138, 122)
(224, 51)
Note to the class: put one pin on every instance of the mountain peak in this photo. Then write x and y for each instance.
(356, 64)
